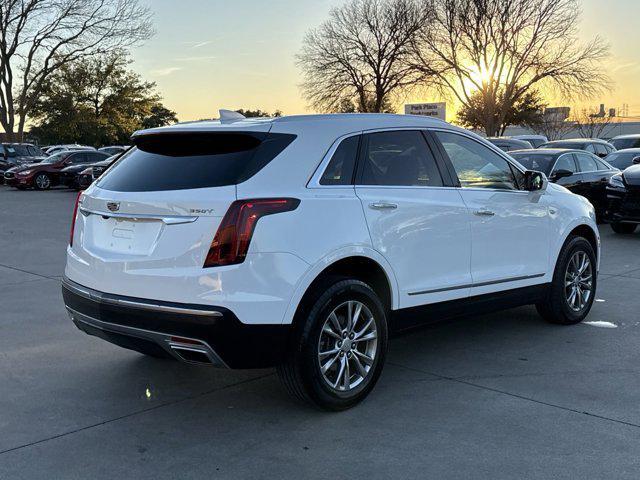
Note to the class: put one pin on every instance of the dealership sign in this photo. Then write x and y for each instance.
(437, 109)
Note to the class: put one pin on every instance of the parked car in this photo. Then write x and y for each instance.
(68, 176)
(622, 142)
(298, 242)
(581, 172)
(507, 144)
(535, 140)
(114, 149)
(47, 173)
(591, 145)
(623, 193)
(13, 154)
(67, 148)
(624, 158)
(93, 171)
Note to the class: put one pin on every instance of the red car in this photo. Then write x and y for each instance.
(47, 173)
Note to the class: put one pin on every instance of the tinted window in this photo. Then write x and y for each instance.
(589, 148)
(399, 158)
(533, 161)
(621, 143)
(476, 165)
(586, 163)
(622, 160)
(600, 149)
(96, 156)
(177, 161)
(602, 166)
(565, 162)
(340, 168)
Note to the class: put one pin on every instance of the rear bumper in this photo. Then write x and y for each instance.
(191, 333)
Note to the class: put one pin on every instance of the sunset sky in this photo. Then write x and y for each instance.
(211, 54)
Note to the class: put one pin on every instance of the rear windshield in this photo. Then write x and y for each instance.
(622, 143)
(178, 161)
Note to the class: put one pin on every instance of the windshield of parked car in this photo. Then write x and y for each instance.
(621, 160)
(621, 143)
(16, 150)
(54, 158)
(535, 161)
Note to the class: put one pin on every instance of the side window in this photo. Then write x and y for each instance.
(601, 165)
(601, 150)
(586, 162)
(565, 162)
(476, 165)
(589, 148)
(399, 158)
(340, 168)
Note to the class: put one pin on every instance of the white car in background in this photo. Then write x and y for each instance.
(300, 242)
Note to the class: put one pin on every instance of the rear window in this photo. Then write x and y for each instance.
(622, 143)
(179, 161)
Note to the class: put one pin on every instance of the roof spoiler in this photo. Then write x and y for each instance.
(229, 116)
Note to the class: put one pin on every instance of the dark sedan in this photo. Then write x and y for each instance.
(623, 195)
(14, 154)
(69, 176)
(592, 145)
(581, 172)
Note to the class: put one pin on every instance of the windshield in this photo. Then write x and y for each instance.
(16, 150)
(54, 158)
(621, 160)
(535, 161)
(622, 143)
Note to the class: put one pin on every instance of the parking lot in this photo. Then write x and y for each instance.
(498, 396)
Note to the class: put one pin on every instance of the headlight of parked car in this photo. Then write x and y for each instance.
(616, 181)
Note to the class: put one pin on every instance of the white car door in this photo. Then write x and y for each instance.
(419, 224)
(509, 226)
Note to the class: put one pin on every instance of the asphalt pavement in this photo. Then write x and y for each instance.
(499, 396)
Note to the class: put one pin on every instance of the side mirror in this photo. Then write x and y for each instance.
(561, 173)
(534, 181)
(636, 160)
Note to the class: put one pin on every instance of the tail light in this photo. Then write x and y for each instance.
(73, 220)
(231, 241)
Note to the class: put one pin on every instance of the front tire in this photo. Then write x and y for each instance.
(624, 228)
(573, 288)
(338, 348)
(42, 181)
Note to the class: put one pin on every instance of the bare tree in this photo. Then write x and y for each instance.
(37, 37)
(552, 126)
(503, 49)
(590, 124)
(359, 54)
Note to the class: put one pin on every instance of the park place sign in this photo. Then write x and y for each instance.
(437, 109)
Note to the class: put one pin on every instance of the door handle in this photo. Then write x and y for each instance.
(483, 212)
(383, 206)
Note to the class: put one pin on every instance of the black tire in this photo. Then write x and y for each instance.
(300, 372)
(624, 228)
(42, 181)
(555, 306)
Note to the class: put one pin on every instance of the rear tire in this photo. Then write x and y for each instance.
(573, 288)
(624, 228)
(334, 364)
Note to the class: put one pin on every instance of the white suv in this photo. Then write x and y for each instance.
(300, 242)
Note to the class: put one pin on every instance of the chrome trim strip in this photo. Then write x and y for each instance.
(481, 284)
(145, 305)
(162, 339)
(167, 219)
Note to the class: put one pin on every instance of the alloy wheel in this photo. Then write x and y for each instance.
(578, 281)
(347, 346)
(43, 182)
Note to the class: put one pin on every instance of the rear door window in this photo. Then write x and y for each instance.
(178, 161)
(565, 162)
(600, 149)
(399, 158)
